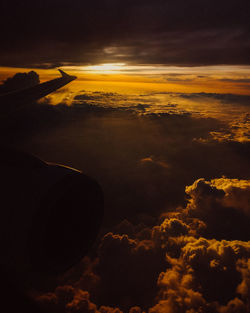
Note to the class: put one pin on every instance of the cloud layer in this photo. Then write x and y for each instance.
(171, 241)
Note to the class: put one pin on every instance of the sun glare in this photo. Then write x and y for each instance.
(106, 68)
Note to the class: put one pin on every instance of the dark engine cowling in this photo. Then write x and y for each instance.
(50, 214)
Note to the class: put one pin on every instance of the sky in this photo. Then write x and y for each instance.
(49, 34)
(159, 116)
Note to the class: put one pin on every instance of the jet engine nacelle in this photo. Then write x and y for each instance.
(50, 214)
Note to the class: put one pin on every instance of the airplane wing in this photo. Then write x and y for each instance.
(12, 101)
(63, 73)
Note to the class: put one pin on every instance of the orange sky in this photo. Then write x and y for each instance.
(125, 79)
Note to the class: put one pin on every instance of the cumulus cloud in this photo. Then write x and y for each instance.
(204, 278)
(207, 274)
(19, 81)
(136, 264)
(180, 265)
(67, 299)
(223, 204)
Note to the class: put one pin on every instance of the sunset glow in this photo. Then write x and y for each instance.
(124, 78)
(150, 100)
(109, 68)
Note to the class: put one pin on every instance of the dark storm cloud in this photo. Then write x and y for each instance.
(162, 32)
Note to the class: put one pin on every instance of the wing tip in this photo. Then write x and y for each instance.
(63, 73)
